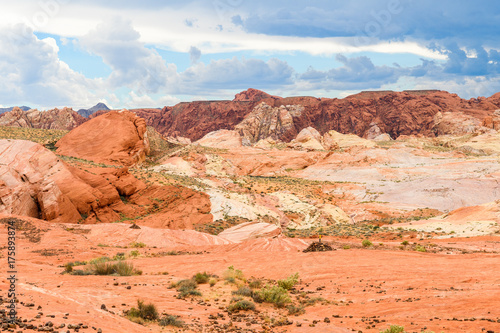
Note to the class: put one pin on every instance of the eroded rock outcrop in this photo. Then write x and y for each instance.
(221, 139)
(35, 182)
(116, 137)
(61, 119)
(269, 122)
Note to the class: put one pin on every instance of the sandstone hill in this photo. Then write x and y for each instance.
(117, 138)
(61, 119)
(367, 114)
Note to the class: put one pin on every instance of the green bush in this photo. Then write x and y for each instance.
(420, 248)
(121, 268)
(289, 282)
(144, 311)
(347, 247)
(272, 294)
(201, 278)
(366, 243)
(394, 329)
(241, 305)
(170, 320)
(405, 243)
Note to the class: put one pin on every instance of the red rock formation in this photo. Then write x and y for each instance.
(116, 137)
(64, 119)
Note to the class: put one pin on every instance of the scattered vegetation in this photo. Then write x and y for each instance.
(232, 275)
(170, 320)
(272, 294)
(366, 243)
(394, 329)
(201, 278)
(289, 282)
(143, 312)
(244, 305)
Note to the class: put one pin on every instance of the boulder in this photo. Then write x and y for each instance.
(308, 139)
(115, 138)
(221, 139)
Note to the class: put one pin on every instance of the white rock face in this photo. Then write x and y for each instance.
(250, 230)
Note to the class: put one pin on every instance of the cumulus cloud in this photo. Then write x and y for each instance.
(133, 64)
(237, 74)
(32, 72)
(356, 73)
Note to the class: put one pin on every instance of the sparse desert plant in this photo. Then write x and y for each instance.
(124, 268)
(243, 291)
(272, 294)
(187, 288)
(394, 329)
(231, 275)
(295, 310)
(119, 256)
(405, 243)
(137, 245)
(346, 247)
(241, 305)
(289, 282)
(102, 268)
(134, 254)
(170, 320)
(201, 278)
(420, 248)
(255, 284)
(143, 311)
(212, 282)
(366, 243)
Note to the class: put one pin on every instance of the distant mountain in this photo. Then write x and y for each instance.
(24, 108)
(98, 107)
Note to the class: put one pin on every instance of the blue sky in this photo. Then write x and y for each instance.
(153, 53)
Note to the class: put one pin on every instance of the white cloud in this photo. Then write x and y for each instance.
(32, 72)
(146, 101)
(134, 65)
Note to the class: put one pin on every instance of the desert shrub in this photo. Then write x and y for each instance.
(187, 288)
(394, 329)
(231, 275)
(420, 248)
(255, 284)
(289, 282)
(68, 268)
(405, 243)
(243, 291)
(119, 256)
(99, 260)
(137, 244)
(170, 320)
(212, 282)
(80, 272)
(272, 294)
(134, 253)
(295, 309)
(366, 243)
(347, 247)
(121, 268)
(144, 311)
(102, 268)
(201, 278)
(124, 268)
(241, 305)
